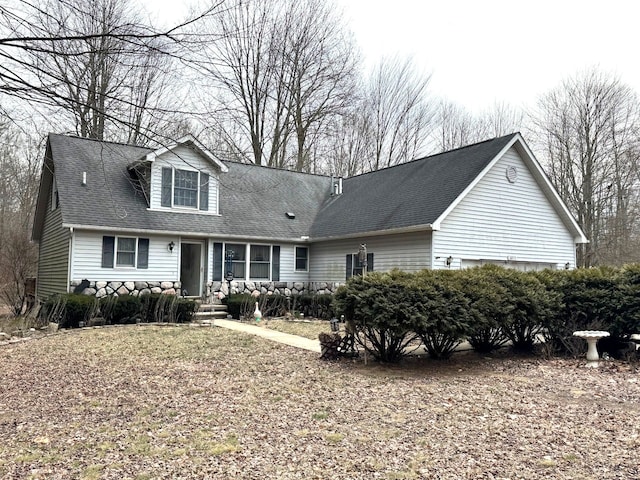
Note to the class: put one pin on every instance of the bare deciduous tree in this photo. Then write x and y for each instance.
(283, 69)
(399, 115)
(589, 128)
(93, 61)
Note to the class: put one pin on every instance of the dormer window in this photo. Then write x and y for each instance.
(185, 188)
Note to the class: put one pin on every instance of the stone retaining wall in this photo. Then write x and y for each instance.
(221, 290)
(102, 289)
(214, 290)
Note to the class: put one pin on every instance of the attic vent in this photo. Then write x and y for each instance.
(336, 185)
(290, 215)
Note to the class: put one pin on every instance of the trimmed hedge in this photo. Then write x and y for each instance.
(489, 305)
(158, 307)
(69, 309)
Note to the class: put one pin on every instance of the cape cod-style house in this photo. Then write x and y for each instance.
(114, 218)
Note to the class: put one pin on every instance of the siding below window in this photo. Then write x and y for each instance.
(162, 265)
(409, 252)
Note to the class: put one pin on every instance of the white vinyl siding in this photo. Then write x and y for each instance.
(287, 261)
(499, 221)
(408, 251)
(87, 260)
(183, 158)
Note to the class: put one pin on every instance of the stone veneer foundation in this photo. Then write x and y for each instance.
(214, 290)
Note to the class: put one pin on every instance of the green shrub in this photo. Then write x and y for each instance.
(121, 309)
(241, 306)
(383, 311)
(159, 307)
(312, 305)
(488, 307)
(69, 309)
(587, 299)
(444, 319)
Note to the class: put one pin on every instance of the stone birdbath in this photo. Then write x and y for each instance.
(592, 337)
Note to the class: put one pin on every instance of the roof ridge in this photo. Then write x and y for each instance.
(436, 154)
(122, 144)
(278, 169)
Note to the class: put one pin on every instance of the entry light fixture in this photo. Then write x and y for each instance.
(567, 266)
(448, 261)
(170, 246)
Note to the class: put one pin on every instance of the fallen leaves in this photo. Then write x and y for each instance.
(177, 402)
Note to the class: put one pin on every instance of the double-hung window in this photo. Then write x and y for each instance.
(184, 188)
(125, 252)
(235, 259)
(260, 258)
(246, 261)
(302, 259)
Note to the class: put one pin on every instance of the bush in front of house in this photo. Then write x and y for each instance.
(312, 305)
(488, 307)
(242, 306)
(444, 321)
(159, 307)
(121, 309)
(69, 309)
(383, 309)
(586, 299)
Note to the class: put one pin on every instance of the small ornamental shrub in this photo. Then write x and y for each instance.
(444, 320)
(185, 310)
(241, 306)
(586, 299)
(530, 304)
(121, 309)
(69, 309)
(159, 307)
(312, 305)
(488, 307)
(383, 311)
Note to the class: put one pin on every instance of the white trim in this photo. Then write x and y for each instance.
(538, 173)
(150, 157)
(295, 258)
(427, 227)
(190, 210)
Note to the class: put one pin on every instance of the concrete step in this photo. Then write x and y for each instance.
(208, 311)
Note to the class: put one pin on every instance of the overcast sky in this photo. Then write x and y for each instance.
(482, 51)
(485, 51)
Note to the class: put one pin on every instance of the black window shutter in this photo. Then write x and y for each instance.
(108, 244)
(275, 264)
(349, 265)
(204, 191)
(217, 262)
(165, 199)
(369, 262)
(143, 253)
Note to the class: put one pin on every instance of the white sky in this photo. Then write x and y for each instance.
(485, 51)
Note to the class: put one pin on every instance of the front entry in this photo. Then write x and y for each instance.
(191, 268)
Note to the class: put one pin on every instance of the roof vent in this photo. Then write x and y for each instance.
(290, 215)
(336, 185)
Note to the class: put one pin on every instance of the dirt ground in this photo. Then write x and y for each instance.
(143, 402)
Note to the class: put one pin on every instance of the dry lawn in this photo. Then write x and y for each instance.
(194, 403)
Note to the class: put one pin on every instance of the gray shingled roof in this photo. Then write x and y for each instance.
(405, 195)
(254, 200)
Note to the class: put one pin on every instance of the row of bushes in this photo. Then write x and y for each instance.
(312, 306)
(70, 309)
(490, 306)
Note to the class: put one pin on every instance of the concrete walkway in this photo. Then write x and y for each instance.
(286, 338)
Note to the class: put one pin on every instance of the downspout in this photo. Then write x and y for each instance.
(71, 237)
